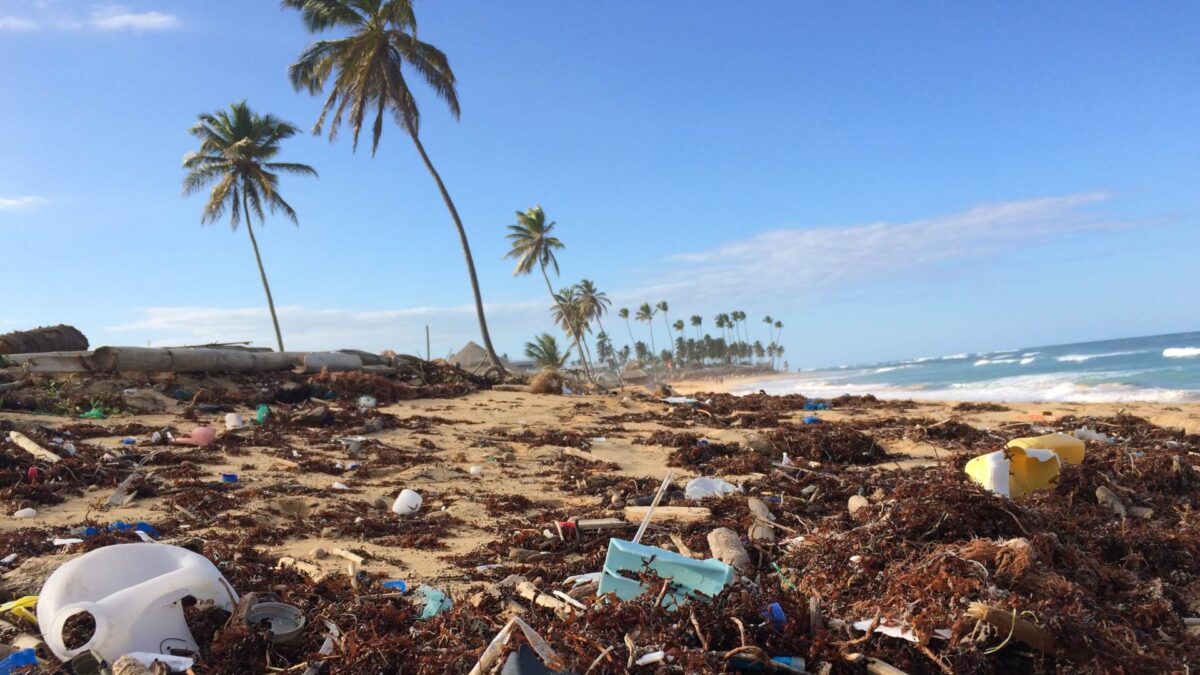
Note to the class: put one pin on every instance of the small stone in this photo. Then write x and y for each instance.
(855, 503)
(319, 553)
(508, 456)
(330, 533)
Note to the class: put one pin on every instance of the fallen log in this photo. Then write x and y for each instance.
(60, 338)
(200, 360)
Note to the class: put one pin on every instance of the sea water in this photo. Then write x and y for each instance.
(1161, 368)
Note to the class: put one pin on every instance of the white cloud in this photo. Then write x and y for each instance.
(16, 23)
(118, 17)
(314, 328)
(23, 202)
(788, 261)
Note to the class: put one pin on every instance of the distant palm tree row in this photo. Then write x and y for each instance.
(532, 244)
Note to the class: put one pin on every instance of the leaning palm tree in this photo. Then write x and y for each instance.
(646, 313)
(568, 313)
(770, 322)
(545, 352)
(663, 307)
(778, 330)
(378, 49)
(696, 321)
(624, 314)
(594, 301)
(237, 147)
(533, 245)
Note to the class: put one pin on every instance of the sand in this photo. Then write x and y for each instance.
(475, 438)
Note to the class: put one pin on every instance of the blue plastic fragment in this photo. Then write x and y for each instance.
(229, 478)
(21, 659)
(812, 419)
(774, 613)
(396, 585)
(436, 602)
(129, 440)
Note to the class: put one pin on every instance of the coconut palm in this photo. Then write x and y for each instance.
(696, 321)
(646, 313)
(678, 325)
(624, 314)
(770, 322)
(237, 147)
(663, 307)
(368, 64)
(545, 352)
(568, 313)
(778, 330)
(594, 302)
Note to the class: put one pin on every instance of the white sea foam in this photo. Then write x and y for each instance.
(1180, 352)
(988, 362)
(1080, 358)
(956, 356)
(1064, 387)
(1028, 360)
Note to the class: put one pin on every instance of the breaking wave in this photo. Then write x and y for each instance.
(1081, 358)
(1181, 352)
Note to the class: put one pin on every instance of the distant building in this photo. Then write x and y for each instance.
(474, 359)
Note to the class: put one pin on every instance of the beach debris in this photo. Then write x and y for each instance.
(699, 488)
(128, 622)
(1026, 464)
(26, 512)
(436, 601)
(175, 664)
(727, 547)
(689, 578)
(29, 445)
(547, 382)
(1108, 498)
(310, 416)
(233, 421)
(407, 503)
(763, 527)
(200, 437)
(126, 491)
(1088, 434)
(855, 503)
(60, 338)
(284, 622)
(668, 514)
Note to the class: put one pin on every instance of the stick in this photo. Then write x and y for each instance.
(637, 538)
(1021, 630)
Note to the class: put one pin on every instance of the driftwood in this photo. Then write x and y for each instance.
(149, 360)
(1021, 630)
(315, 362)
(58, 338)
(668, 514)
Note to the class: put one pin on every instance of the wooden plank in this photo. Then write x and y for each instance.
(28, 445)
(668, 514)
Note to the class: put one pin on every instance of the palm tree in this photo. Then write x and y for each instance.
(568, 313)
(663, 307)
(236, 149)
(545, 353)
(380, 45)
(696, 321)
(678, 325)
(594, 302)
(533, 245)
(646, 313)
(770, 322)
(778, 330)
(624, 314)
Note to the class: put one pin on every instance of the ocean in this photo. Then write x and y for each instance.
(1159, 368)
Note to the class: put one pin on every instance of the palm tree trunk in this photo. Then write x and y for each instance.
(570, 328)
(653, 347)
(466, 247)
(667, 320)
(262, 272)
(629, 328)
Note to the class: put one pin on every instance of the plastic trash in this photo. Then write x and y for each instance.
(1027, 464)
(134, 594)
(395, 585)
(774, 613)
(93, 414)
(24, 658)
(747, 663)
(436, 601)
(476, 471)
(200, 437)
(652, 657)
(1088, 434)
(699, 488)
(816, 405)
(680, 400)
(408, 503)
(525, 661)
(262, 413)
(129, 440)
(284, 621)
(229, 478)
(812, 419)
(367, 402)
(690, 578)
(20, 608)
(25, 513)
(233, 421)
(340, 486)
(177, 664)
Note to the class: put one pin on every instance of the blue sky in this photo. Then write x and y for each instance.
(889, 180)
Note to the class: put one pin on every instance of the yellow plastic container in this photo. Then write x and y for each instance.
(1068, 448)
(1026, 464)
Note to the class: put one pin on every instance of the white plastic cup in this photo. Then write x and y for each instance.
(407, 503)
(233, 421)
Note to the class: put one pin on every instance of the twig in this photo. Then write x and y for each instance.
(934, 657)
(699, 633)
(598, 659)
